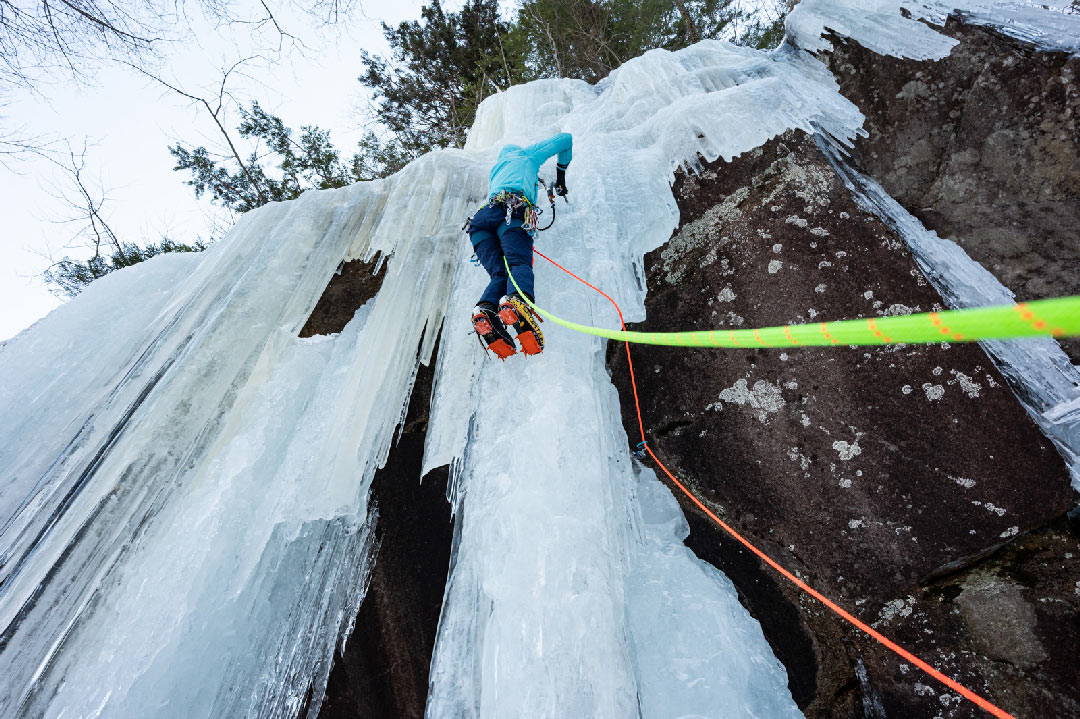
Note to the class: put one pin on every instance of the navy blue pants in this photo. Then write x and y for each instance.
(493, 239)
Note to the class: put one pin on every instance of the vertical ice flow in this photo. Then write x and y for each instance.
(571, 593)
(184, 519)
(541, 502)
(183, 522)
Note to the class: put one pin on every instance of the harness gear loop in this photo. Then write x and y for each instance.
(513, 201)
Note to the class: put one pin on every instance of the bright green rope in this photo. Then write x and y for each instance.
(1057, 317)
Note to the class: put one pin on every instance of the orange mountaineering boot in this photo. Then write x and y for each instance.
(514, 312)
(492, 333)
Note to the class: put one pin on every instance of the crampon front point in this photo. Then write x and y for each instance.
(492, 334)
(515, 313)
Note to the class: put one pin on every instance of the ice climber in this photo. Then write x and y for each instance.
(504, 227)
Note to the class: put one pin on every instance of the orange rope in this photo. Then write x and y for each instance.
(840, 611)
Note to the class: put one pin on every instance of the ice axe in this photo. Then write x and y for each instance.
(549, 190)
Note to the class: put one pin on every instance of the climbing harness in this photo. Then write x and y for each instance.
(515, 201)
(1038, 316)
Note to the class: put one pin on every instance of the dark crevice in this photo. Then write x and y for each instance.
(349, 288)
(383, 671)
(671, 427)
(965, 565)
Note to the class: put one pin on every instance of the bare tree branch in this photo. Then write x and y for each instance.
(39, 37)
(87, 203)
(215, 112)
(105, 24)
(14, 148)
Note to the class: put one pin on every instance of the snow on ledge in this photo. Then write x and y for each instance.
(897, 27)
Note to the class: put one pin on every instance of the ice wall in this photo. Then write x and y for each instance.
(879, 26)
(184, 526)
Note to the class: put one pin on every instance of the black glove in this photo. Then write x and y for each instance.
(560, 181)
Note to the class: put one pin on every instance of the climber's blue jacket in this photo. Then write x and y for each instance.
(517, 167)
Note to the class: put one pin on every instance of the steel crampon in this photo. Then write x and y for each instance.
(514, 312)
(491, 338)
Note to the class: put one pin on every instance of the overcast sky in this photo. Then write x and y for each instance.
(130, 121)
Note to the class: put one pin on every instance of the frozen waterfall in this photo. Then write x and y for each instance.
(184, 519)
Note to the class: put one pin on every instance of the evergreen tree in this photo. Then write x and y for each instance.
(587, 39)
(69, 277)
(440, 69)
(765, 28)
(305, 160)
(568, 38)
(764, 34)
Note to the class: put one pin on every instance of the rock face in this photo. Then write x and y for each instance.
(905, 482)
(355, 283)
(983, 147)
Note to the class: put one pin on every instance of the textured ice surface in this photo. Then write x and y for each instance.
(183, 523)
(1031, 22)
(876, 24)
(880, 26)
(184, 527)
